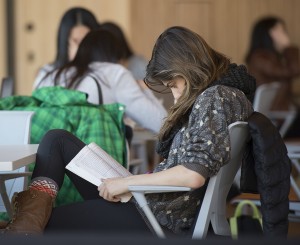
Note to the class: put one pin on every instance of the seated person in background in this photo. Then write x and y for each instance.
(209, 94)
(135, 63)
(272, 58)
(95, 71)
(74, 25)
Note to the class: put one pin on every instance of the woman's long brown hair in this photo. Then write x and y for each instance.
(181, 52)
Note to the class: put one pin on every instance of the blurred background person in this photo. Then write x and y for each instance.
(73, 27)
(135, 63)
(272, 58)
(96, 71)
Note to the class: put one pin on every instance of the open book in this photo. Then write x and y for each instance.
(92, 163)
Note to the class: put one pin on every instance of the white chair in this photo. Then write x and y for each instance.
(213, 208)
(14, 130)
(263, 101)
(138, 150)
(294, 154)
(7, 87)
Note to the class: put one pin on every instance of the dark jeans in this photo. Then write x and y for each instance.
(55, 151)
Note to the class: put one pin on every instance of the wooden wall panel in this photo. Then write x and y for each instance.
(198, 19)
(148, 20)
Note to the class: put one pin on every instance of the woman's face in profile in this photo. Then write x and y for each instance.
(280, 37)
(77, 33)
(177, 86)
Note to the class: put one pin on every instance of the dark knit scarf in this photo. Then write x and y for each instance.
(236, 77)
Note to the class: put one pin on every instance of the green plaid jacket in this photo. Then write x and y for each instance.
(57, 107)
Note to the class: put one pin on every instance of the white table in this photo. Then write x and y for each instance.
(13, 157)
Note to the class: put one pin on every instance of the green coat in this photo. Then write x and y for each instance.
(57, 107)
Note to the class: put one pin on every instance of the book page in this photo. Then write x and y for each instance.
(92, 163)
(116, 167)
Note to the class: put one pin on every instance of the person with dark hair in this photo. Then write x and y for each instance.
(74, 25)
(136, 64)
(272, 58)
(96, 72)
(209, 93)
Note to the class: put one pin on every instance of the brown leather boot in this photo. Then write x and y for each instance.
(31, 213)
(3, 224)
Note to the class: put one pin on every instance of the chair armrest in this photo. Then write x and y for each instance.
(281, 114)
(12, 175)
(157, 188)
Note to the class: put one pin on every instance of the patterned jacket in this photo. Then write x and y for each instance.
(202, 145)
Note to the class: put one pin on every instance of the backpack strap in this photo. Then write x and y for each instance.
(100, 99)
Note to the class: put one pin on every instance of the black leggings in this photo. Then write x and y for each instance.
(55, 151)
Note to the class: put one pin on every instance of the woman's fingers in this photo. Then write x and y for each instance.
(105, 194)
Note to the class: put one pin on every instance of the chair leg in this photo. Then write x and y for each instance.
(220, 225)
(140, 197)
(5, 198)
(3, 192)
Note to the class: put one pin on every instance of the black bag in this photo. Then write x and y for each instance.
(245, 226)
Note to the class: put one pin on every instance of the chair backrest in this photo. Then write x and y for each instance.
(213, 208)
(263, 101)
(7, 87)
(15, 127)
(264, 97)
